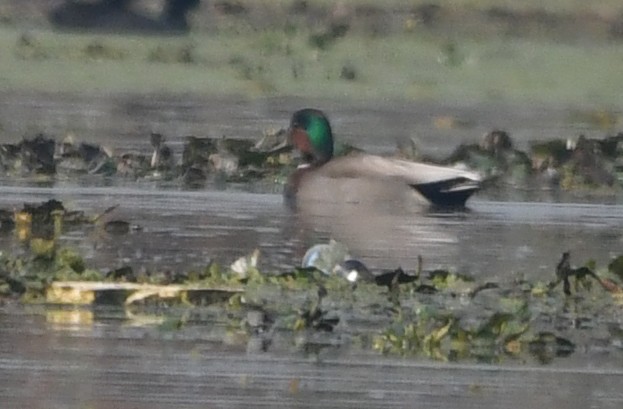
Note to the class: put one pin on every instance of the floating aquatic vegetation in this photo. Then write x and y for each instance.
(437, 314)
(272, 141)
(444, 334)
(28, 277)
(616, 267)
(549, 153)
(46, 220)
(582, 276)
(162, 158)
(7, 221)
(314, 317)
(37, 155)
(508, 325)
(395, 277)
(583, 164)
(246, 267)
(83, 158)
(494, 157)
(235, 159)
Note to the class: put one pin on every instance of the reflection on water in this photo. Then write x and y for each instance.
(108, 364)
(182, 229)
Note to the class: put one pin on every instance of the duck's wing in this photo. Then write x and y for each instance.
(442, 186)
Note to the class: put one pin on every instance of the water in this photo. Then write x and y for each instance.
(108, 364)
(106, 361)
(124, 122)
(182, 230)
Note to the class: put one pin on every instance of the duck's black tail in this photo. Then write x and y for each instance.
(449, 192)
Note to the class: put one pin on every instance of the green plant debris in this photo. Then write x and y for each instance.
(230, 159)
(577, 165)
(583, 276)
(436, 315)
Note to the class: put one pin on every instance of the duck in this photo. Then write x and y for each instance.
(360, 180)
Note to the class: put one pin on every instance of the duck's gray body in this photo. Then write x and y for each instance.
(384, 183)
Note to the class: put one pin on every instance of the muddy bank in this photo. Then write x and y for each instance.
(345, 51)
(567, 22)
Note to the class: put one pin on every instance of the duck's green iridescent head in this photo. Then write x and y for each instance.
(310, 133)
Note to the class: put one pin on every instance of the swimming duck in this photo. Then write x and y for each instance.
(361, 179)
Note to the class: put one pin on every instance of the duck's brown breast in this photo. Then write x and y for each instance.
(320, 192)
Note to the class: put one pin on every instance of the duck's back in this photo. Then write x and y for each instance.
(340, 187)
(380, 167)
(386, 184)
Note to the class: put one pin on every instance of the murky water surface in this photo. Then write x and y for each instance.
(108, 364)
(181, 230)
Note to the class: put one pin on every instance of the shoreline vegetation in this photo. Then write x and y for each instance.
(468, 51)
